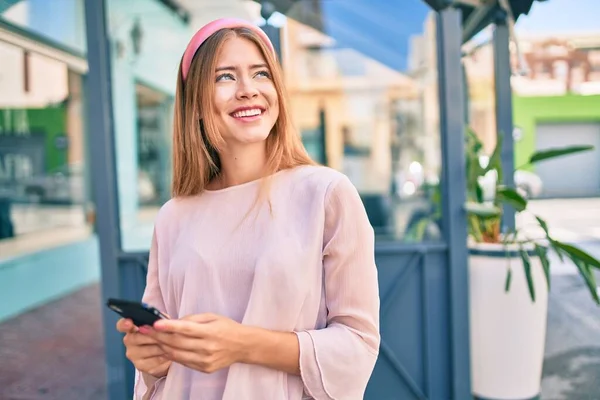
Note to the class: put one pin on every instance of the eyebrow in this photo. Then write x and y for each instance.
(231, 68)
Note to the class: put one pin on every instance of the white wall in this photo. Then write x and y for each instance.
(48, 79)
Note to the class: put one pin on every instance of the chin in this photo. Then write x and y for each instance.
(253, 139)
(250, 136)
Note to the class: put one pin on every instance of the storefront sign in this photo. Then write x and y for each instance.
(14, 123)
(20, 158)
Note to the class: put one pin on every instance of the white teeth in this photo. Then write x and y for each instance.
(248, 113)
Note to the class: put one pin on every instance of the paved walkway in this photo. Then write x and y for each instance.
(572, 361)
(55, 351)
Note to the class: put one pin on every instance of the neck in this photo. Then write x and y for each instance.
(242, 165)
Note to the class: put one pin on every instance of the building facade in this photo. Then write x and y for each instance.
(556, 87)
(47, 244)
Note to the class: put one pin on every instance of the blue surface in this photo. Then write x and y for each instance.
(38, 278)
(377, 28)
(163, 41)
(6, 4)
(414, 360)
(65, 26)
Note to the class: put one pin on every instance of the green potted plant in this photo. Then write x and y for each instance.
(509, 276)
(509, 279)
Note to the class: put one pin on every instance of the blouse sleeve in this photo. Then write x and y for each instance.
(336, 362)
(146, 385)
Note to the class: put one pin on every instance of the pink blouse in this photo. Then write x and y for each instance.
(306, 267)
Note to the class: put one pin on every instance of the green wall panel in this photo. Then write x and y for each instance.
(531, 111)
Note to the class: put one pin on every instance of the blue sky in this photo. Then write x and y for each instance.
(561, 16)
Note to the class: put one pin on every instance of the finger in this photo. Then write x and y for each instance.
(175, 340)
(138, 354)
(137, 339)
(149, 352)
(183, 327)
(200, 348)
(179, 355)
(201, 318)
(125, 325)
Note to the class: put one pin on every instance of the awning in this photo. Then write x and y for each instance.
(6, 4)
(373, 28)
(477, 14)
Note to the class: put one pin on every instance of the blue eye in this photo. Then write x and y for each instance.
(223, 76)
(266, 74)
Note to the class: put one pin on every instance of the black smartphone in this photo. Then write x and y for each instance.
(141, 314)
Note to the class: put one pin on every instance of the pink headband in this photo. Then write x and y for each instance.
(207, 30)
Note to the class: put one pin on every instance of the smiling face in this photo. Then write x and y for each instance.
(232, 70)
(245, 99)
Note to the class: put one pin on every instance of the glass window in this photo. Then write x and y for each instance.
(61, 21)
(148, 40)
(364, 95)
(154, 149)
(44, 196)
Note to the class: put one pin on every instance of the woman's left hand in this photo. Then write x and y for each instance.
(204, 342)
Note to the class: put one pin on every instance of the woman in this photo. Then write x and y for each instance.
(263, 261)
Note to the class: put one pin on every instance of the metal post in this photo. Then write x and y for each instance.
(453, 179)
(274, 34)
(101, 140)
(504, 113)
(323, 136)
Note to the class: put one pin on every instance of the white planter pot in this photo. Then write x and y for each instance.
(508, 330)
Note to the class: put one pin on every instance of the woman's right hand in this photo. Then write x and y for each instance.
(142, 350)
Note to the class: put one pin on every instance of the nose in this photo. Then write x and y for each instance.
(246, 89)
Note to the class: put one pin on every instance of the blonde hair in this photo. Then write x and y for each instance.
(196, 140)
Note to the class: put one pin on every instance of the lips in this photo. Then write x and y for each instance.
(248, 112)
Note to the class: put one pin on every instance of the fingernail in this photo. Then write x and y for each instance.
(144, 329)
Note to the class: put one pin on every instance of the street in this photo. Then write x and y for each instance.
(572, 359)
(572, 220)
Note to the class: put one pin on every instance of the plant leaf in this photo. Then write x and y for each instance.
(543, 224)
(577, 253)
(511, 197)
(496, 158)
(592, 286)
(543, 155)
(474, 228)
(583, 261)
(589, 279)
(420, 229)
(508, 280)
(474, 170)
(556, 249)
(478, 193)
(551, 241)
(482, 210)
(527, 267)
(543, 255)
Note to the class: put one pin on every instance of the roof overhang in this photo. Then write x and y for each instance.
(478, 14)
